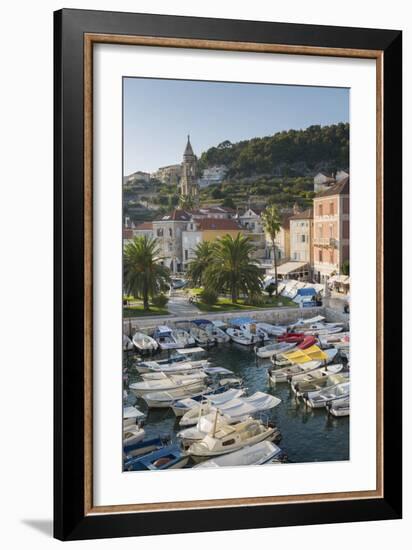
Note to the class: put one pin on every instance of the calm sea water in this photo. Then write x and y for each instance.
(307, 435)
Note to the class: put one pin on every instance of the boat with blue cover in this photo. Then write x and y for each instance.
(166, 458)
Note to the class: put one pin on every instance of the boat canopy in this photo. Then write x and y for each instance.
(163, 330)
(200, 322)
(314, 353)
(132, 412)
(307, 291)
(242, 321)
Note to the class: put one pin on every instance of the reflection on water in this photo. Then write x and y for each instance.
(307, 435)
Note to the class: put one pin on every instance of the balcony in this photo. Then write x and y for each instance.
(330, 242)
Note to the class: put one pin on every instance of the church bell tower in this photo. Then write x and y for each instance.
(190, 173)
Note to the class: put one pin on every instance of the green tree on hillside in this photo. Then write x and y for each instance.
(272, 224)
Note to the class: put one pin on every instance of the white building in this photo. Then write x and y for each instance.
(212, 175)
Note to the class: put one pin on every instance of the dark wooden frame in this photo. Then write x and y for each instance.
(75, 32)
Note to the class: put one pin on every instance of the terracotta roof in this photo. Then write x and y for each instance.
(340, 188)
(144, 225)
(177, 216)
(305, 215)
(218, 224)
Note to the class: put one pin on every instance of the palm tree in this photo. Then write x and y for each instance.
(271, 224)
(187, 202)
(231, 269)
(198, 266)
(143, 274)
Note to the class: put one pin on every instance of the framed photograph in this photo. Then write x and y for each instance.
(227, 227)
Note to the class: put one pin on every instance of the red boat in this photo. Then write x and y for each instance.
(307, 342)
(292, 337)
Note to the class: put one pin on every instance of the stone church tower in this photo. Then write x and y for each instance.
(189, 185)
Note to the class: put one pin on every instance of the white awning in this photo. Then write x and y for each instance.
(341, 279)
(292, 267)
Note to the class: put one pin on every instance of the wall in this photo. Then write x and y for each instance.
(26, 353)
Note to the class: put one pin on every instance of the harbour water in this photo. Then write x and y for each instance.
(307, 435)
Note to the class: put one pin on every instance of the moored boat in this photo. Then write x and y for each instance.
(165, 458)
(127, 343)
(216, 397)
(259, 453)
(225, 438)
(328, 395)
(340, 407)
(165, 338)
(169, 383)
(265, 352)
(310, 383)
(286, 373)
(144, 342)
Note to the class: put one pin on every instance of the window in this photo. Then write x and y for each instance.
(303, 238)
(320, 256)
(170, 247)
(320, 232)
(159, 232)
(331, 256)
(330, 230)
(331, 208)
(320, 210)
(186, 255)
(228, 442)
(170, 232)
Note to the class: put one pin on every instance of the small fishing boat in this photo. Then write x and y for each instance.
(190, 374)
(255, 330)
(145, 446)
(260, 453)
(165, 338)
(273, 349)
(225, 438)
(143, 342)
(286, 373)
(340, 407)
(243, 337)
(316, 380)
(172, 368)
(165, 399)
(127, 343)
(132, 430)
(166, 458)
(307, 342)
(183, 338)
(272, 330)
(337, 339)
(313, 353)
(217, 397)
(328, 395)
(293, 337)
(234, 410)
(168, 383)
(200, 335)
(214, 333)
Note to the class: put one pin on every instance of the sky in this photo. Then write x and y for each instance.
(159, 114)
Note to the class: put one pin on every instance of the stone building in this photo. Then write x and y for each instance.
(301, 236)
(331, 230)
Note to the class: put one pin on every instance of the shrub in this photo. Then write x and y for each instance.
(160, 300)
(270, 289)
(209, 297)
(255, 300)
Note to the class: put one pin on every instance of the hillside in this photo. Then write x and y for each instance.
(290, 153)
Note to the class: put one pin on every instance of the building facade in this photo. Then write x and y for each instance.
(331, 230)
(301, 236)
(168, 233)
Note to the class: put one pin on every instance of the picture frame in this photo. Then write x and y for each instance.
(75, 34)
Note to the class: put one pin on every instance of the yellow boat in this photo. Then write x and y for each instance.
(299, 356)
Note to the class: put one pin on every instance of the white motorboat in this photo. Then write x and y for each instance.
(340, 407)
(200, 335)
(183, 338)
(168, 383)
(286, 373)
(165, 399)
(274, 349)
(224, 438)
(260, 453)
(272, 330)
(321, 379)
(172, 368)
(127, 343)
(340, 339)
(234, 410)
(215, 333)
(243, 337)
(165, 338)
(191, 374)
(184, 405)
(143, 342)
(328, 395)
(132, 431)
(254, 329)
(304, 322)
